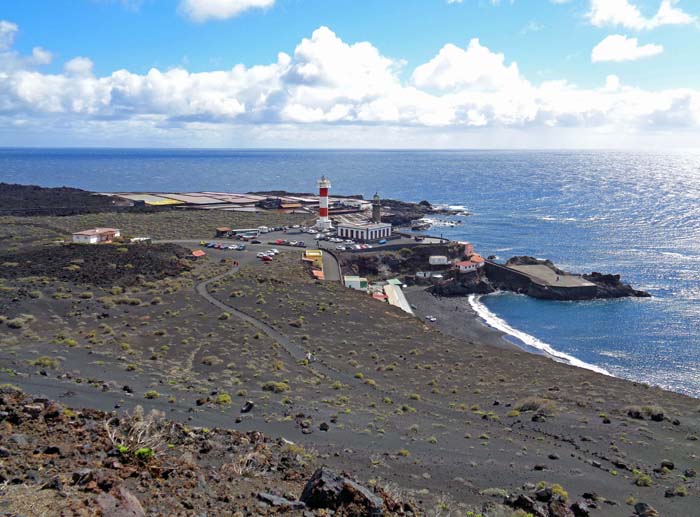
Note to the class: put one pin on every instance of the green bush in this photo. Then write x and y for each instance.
(275, 387)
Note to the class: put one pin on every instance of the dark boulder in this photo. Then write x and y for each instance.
(558, 508)
(645, 510)
(120, 503)
(527, 504)
(331, 491)
(544, 494)
(281, 502)
(580, 509)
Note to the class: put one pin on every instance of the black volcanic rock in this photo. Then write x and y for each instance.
(610, 286)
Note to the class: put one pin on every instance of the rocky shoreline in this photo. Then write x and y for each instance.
(494, 277)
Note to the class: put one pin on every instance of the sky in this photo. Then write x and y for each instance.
(350, 73)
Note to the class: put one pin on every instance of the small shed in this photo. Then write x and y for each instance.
(438, 260)
(222, 231)
(356, 282)
(314, 257)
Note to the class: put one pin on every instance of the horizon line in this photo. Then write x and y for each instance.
(356, 149)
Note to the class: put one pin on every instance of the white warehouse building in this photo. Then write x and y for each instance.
(364, 232)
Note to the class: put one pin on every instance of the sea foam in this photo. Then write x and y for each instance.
(499, 324)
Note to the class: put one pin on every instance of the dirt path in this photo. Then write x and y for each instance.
(292, 349)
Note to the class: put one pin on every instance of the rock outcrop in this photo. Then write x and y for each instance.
(610, 286)
(331, 491)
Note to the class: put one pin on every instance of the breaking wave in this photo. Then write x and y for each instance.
(531, 341)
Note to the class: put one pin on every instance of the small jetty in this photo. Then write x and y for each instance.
(540, 281)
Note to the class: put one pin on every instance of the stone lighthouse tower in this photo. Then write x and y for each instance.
(376, 209)
(324, 222)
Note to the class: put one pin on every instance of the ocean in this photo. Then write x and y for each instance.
(632, 213)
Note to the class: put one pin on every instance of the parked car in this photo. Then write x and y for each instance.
(260, 255)
(255, 241)
(266, 258)
(340, 248)
(383, 241)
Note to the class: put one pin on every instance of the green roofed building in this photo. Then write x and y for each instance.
(356, 282)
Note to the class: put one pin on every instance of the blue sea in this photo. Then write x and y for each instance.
(632, 213)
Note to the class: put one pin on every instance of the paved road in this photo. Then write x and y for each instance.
(331, 268)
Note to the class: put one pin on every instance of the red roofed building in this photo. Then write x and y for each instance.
(468, 266)
(96, 235)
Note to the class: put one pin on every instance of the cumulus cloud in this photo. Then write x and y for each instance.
(203, 10)
(475, 67)
(621, 48)
(327, 82)
(626, 14)
(78, 66)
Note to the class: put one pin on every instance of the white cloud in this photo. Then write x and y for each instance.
(203, 10)
(621, 48)
(473, 67)
(329, 83)
(41, 56)
(626, 14)
(7, 34)
(78, 66)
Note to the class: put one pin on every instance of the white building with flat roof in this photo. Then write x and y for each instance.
(96, 235)
(364, 231)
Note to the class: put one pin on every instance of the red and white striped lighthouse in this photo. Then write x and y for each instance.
(324, 222)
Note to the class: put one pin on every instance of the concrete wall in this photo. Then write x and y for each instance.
(511, 280)
(507, 279)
